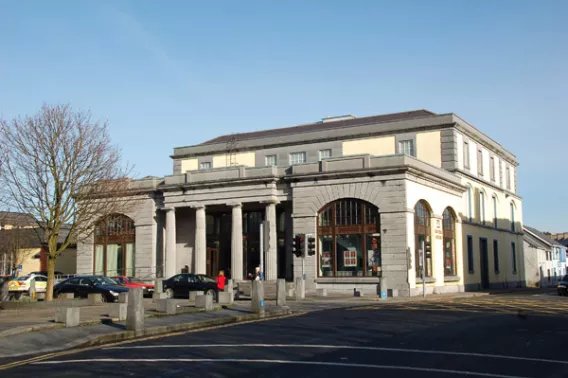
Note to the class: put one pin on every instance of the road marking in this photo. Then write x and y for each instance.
(353, 347)
(290, 362)
(136, 340)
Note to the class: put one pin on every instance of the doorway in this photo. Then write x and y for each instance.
(484, 255)
(212, 264)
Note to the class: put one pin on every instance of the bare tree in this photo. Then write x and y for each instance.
(60, 166)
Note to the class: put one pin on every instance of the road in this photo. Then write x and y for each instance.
(496, 336)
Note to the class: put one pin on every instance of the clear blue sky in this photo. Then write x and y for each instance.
(175, 73)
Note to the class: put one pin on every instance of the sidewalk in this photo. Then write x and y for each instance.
(52, 340)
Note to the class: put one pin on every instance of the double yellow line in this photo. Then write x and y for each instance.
(177, 333)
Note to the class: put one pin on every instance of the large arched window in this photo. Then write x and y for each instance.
(349, 239)
(449, 223)
(423, 245)
(114, 246)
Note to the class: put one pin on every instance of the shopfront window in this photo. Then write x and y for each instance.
(449, 222)
(349, 239)
(114, 246)
(423, 246)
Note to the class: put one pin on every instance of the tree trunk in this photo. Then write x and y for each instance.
(50, 277)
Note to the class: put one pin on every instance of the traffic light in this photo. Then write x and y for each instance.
(311, 244)
(298, 245)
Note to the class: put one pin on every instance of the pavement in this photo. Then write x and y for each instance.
(447, 337)
(327, 336)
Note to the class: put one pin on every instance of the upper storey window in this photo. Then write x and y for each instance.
(297, 158)
(323, 154)
(466, 155)
(406, 147)
(205, 165)
(270, 161)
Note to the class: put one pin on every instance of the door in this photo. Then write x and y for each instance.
(484, 266)
(212, 262)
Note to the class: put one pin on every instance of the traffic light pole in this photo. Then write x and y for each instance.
(423, 258)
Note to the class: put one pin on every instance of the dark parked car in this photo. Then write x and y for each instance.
(562, 287)
(180, 285)
(85, 285)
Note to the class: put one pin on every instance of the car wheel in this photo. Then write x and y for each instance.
(169, 293)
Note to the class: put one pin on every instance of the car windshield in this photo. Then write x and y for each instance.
(103, 281)
(23, 278)
(135, 280)
(204, 278)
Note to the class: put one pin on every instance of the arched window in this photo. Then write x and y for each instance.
(482, 217)
(495, 211)
(469, 203)
(449, 223)
(349, 239)
(114, 246)
(423, 245)
(512, 217)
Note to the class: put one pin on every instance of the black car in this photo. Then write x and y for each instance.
(180, 285)
(85, 285)
(562, 287)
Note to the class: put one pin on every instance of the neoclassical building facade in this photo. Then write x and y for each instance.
(385, 196)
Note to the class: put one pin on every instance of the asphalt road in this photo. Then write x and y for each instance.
(497, 336)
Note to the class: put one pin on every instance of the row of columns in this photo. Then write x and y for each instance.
(236, 242)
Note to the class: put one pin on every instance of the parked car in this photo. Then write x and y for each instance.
(82, 286)
(562, 287)
(22, 285)
(44, 273)
(180, 285)
(135, 283)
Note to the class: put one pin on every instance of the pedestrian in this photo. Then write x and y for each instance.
(221, 281)
(257, 273)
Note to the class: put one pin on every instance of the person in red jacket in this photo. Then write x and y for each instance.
(221, 280)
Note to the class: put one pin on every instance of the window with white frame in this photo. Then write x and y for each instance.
(495, 211)
(469, 203)
(270, 160)
(466, 155)
(205, 165)
(512, 217)
(480, 162)
(492, 168)
(297, 158)
(508, 172)
(406, 147)
(323, 154)
(482, 207)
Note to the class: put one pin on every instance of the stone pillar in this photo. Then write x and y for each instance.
(170, 262)
(300, 289)
(272, 247)
(257, 298)
(237, 243)
(281, 292)
(135, 311)
(200, 241)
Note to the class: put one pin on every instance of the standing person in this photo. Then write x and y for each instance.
(221, 281)
(257, 273)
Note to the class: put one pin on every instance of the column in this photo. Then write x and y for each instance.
(200, 240)
(271, 249)
(170, 263)
(237, 243)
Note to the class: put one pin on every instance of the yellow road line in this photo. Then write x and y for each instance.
(177, 333)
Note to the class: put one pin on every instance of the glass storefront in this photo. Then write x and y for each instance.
(349, 239)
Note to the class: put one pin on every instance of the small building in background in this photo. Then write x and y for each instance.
(545, 258)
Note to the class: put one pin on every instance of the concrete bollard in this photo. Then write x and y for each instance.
(95, 299)
(225, 298)
(158, 290)
(32, 290)
(169, 306)
(300, 289)
(383, 287)
(135, 311)
(257, 302)
(67, 315)
(67, 296)
(40, 296)
(281, 292)
(290, 293)
(118, 310)
(204, 301)
(321, 292)
(123, 298)
(194, 294)
(229, 288)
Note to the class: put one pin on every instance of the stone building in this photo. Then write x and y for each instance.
(380, 193)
